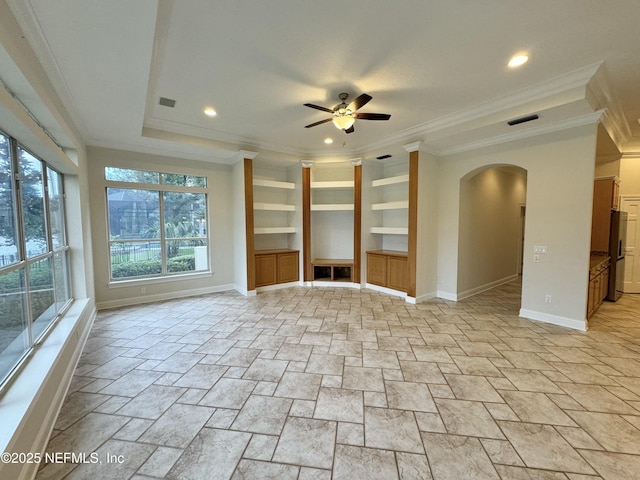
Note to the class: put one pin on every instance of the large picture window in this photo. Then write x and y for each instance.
(34, 255)
(157, 223)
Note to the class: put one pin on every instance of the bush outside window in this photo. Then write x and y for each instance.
(157, 223)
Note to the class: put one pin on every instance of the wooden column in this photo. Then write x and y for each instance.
(306, 224)
(248, 219)
(413, 224)
(357, 221)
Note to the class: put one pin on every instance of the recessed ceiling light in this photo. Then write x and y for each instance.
(328, 141)
(210, 112)
(518, 60)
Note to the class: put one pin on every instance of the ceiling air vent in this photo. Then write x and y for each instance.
(382, 157)
(522, 120)
(167, 102)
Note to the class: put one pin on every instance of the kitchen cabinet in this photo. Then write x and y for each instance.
(606, 197)
(387, 268)
(276, 266)
(598, 282)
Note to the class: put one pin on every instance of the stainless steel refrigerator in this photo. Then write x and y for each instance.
(617, 238)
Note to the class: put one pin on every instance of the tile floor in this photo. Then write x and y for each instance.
(321, 383)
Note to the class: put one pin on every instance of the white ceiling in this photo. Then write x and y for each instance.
(439, 68)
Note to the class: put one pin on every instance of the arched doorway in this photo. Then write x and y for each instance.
(491, 228)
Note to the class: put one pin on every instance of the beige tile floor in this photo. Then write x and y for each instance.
(321, 383)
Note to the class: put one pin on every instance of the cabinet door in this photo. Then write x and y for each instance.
(397, 274)
(288, 267)
(604, 284)
(591, 299)
(265, 270)
(377, 269)
(601, 215)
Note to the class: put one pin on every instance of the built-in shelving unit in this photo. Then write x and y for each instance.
(333, 216)
(390, 202)
(276, 224)
(386, 223)
(272, 205)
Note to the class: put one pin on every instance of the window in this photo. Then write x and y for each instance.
(157, 223)
(34, 262)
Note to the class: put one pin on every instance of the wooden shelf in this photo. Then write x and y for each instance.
(390, 230)
(333, 184)
(279, 207)
(332, 207)
(390, 181)
(261, 182)
(270, 230)
(404, 204)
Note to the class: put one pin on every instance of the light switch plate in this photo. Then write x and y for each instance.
(540, 249)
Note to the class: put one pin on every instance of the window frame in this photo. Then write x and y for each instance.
(160, 188)
(24, 263)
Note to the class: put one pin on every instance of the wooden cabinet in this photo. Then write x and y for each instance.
(606, 197)
(387, 268)
(276, 266)
(598, 283)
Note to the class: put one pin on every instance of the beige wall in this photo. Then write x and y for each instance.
(560, 168)
(490, 228)
(630, 175)
(220, 196)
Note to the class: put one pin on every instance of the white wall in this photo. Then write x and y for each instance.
(220, 226)
(489, 230)
(560, 168)
(427, 236)
(630, 175)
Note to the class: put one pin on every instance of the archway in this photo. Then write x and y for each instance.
(491, 228)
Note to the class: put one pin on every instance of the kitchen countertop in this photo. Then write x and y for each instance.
(597, 259)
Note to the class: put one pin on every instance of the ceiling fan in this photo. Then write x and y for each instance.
(344, 116)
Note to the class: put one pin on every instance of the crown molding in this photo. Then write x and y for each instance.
(536, 93)
(588, 119)
(246, 155)
(412, 147)
(602, 96)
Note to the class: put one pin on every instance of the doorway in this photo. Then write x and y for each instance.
(631, 205)
(491, 228)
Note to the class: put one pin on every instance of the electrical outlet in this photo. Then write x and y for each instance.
(143, 290)
(536, 258)
(547, 298)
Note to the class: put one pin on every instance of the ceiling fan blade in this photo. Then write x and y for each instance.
(318, 107)
(350, 129)
(360, 102)
(318, 123)
(373, 116)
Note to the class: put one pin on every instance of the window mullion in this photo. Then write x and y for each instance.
(21, 236)
(163, 253)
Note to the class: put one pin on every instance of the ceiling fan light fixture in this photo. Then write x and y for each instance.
(343, 118)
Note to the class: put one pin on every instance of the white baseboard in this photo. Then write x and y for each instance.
(423, 298)
(278, 286)
(487, 286)
(31, 404)
(160, 297)
(447, 295)
(390, 291)
(318, 283)
(554, 319)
